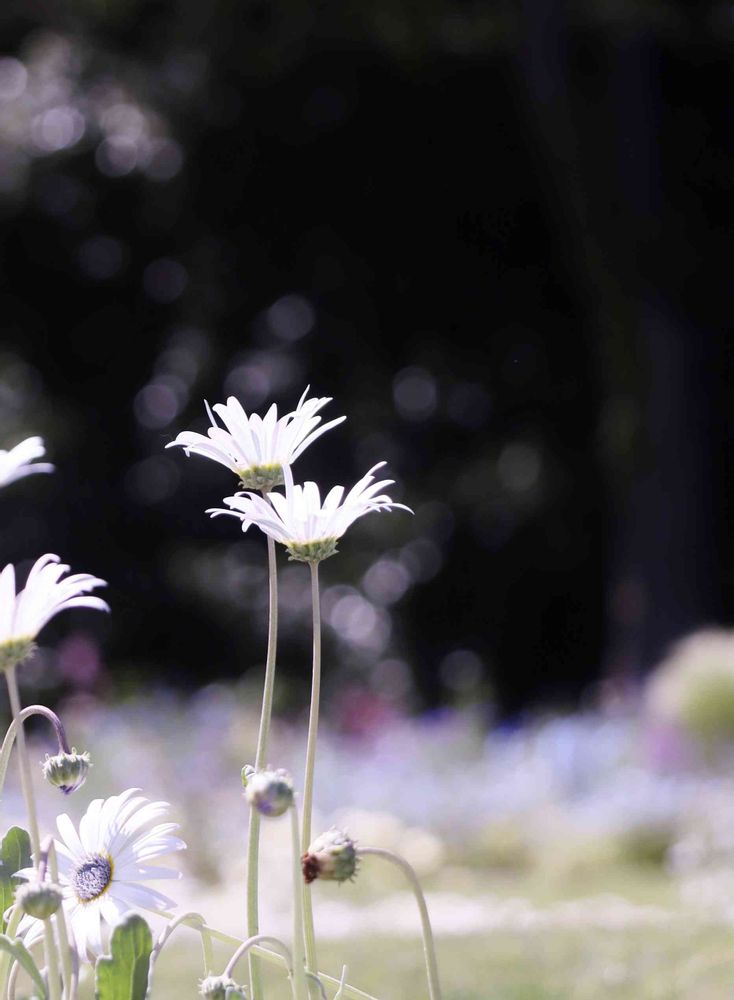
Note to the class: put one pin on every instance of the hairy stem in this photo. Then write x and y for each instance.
(253, 832)
(313, 732)
(300, 987)
(67, 968)
(429, 948)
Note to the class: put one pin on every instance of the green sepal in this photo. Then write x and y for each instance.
(123, 975)
(15, 853)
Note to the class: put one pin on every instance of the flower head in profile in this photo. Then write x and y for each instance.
(308, 528)
(257, 448)
(23, 615)
(103, 867)
(16, 463)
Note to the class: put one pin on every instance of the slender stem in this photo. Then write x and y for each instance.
(26, 779)
(253, 833)
(313, 732)
(429, 948)
(300, 986)
(7, 744)
(16, 916)
(191, 919)
(275, 958)
(52, 962)
(66, 960)
(250, 943)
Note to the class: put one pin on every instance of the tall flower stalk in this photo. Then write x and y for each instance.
(253, 832)
(308, 780)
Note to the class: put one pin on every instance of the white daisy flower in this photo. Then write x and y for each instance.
(22, 616)
(16, 463)
(257, 448)
(103, 865)
(308, 528)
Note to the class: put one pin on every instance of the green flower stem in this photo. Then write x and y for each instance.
(70, 979)
(16, 916)
(191, 919)
(300, 986)
(274, 958)
(12, 731)
(52, 962)
(253, 833)
(429, 948)
(250, 943)
(313, 732)
(26, 780)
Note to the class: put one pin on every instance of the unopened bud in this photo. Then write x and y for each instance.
(39, 899)
(332, 856)
(270, 792)
(67, 771)
(221, 988)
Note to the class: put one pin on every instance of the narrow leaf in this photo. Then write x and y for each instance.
(123, 975)
(15, 853)
(20, 953)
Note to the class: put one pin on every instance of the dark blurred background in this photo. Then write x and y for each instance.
(500, 235)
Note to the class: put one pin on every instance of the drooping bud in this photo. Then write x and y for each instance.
(221, 988)
(67, 771)
(39, 899)
(270, 792)
(332, 856)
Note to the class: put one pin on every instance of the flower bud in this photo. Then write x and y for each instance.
(67, 771)
(270, 792)
(221, 988)
(247, 772)
(332, 856)
(39, 899)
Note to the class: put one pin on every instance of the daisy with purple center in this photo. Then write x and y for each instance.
(103, 867)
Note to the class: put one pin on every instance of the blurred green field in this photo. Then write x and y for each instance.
(681, 955)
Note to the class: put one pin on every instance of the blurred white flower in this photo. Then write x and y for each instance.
(255, 448)
(16, 463)
(101, 867)
(308, 528)
(45, 594)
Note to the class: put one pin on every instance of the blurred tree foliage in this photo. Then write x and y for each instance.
(498, 234)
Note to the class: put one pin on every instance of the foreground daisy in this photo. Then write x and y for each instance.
(23, 615)
(16, 463)
(255, 448)
(308, 528)
(103, 865)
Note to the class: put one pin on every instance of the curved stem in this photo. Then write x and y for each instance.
(12, 730)
(340, 993)
(26, 780)
(191, 919)
(253, 832)
(429, 948)
(12, 980)
(313, 732)
(350, 992)
(259, 939)
(300, 986)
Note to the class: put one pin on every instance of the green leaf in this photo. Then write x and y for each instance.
(15, 853)
(20, 953)
(123, 975)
